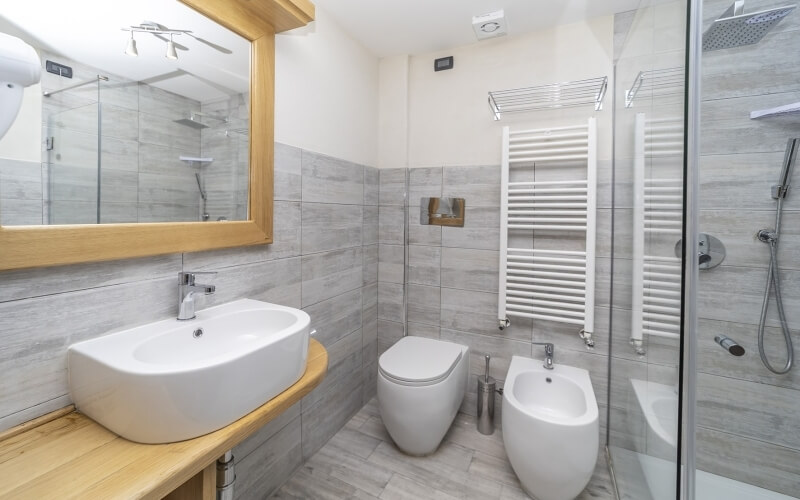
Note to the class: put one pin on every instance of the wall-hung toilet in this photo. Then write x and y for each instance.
(550, 428)
(421, 383)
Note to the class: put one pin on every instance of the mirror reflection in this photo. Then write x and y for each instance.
(144, 117)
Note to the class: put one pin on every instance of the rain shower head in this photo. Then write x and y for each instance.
(735, 28)
(191, 122)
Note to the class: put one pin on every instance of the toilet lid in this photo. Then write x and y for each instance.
(420, 360)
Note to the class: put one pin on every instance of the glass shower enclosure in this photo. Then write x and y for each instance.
(704, 397)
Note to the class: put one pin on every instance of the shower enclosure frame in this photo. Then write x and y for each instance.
(687, 397)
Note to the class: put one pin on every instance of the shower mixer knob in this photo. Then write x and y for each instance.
(766, 236)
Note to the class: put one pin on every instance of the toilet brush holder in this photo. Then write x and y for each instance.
(487, 386)
(486, 390)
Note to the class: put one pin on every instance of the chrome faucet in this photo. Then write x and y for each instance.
(187, 287)
(549, 348)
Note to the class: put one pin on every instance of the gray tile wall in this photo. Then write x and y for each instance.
(453, 278)
(333, 277)
(744, 411)
(21, 193)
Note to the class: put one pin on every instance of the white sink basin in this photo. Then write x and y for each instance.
(162, 382)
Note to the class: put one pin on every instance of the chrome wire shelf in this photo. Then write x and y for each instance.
(554, 95)
(655, 83)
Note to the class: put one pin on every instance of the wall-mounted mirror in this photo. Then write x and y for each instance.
(166, 137)
(143, 113)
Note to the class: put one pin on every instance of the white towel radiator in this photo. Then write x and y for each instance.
(549, 284)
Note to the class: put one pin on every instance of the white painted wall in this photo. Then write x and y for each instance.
(326, 93)
(449, 121)
(393, 112)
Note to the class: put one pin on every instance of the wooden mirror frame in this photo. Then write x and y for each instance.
(257, 21)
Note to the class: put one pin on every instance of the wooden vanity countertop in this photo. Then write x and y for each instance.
(67, 455)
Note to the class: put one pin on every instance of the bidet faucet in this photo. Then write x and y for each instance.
(549, 348)
(187, 287)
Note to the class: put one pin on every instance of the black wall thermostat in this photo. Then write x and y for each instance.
(443, 63)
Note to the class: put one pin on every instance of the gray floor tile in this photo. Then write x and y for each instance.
(402, 488)
(362, 462)
(354, 442)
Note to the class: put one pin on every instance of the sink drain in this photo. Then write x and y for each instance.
(197, 333)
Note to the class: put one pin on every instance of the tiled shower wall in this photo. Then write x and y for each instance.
(453, 278)
(324, 260)
(747, 416)
(225, 179)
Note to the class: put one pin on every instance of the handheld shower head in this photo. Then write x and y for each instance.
(781, 189)
(200, 186)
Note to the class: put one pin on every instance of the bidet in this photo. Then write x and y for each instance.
(550, 428)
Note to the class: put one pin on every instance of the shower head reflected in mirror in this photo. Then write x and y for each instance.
(194, 122)
(191, 122)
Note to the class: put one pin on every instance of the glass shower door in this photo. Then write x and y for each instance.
(644, 363)
(73, 166)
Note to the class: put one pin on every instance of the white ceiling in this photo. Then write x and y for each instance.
(390, 27)
(89, 31)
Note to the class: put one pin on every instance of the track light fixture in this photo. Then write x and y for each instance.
(131, 48)
(171, 52)
(159, 32)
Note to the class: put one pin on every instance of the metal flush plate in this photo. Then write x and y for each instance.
(441, 212)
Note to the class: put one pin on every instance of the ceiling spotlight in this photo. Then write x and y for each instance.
(131, 48)
(171, 52)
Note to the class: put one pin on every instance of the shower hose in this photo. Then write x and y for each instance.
(773, 282)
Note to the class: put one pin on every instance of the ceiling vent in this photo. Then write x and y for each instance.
(490, 25)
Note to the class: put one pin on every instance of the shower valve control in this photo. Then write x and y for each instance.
(766, 236)
(710, 251)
